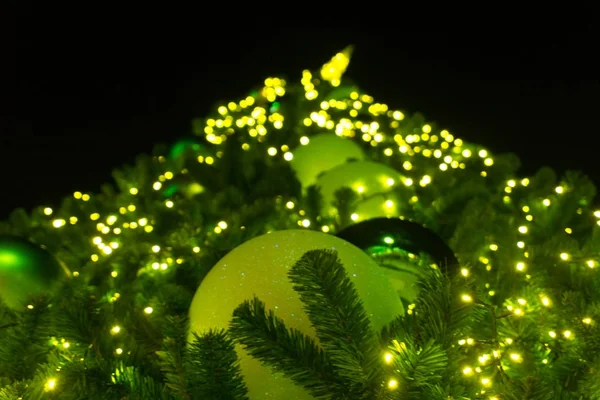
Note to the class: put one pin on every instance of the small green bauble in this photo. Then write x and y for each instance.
(381, 236)
(378, 205)
(365, 177)
(181, 146)
(322, 153)
(187, 148)
(26, 270)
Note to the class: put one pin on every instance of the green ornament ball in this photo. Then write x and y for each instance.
(260, 267)
(365, 177)
(378, 205)
(182, 150)
(181, 146)
(26, 270)
(322, 153)
(379, 237)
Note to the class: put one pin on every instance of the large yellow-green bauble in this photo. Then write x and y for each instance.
(322, 153)
(260, 267)
(365, 177)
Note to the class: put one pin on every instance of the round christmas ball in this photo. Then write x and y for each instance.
(322, 153)
(365, 177)
(26, 270)
(379, 237)
(379, 205)
(260, 267)
(186, 144)
(186, 148)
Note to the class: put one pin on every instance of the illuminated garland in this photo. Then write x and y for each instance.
(355, 116)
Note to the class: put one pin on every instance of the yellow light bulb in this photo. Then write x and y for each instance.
(335, 68)
(388, 357)
(50, 384)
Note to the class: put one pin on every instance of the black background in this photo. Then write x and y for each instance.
(87, 101)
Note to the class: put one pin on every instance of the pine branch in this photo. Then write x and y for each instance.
(422, 366)
(440, 393)
(213, 368)
(266, 338)
(399, 329)
(16, 390)
(342, 324)
(25, 343)
(441, 314)
(171, 362)
(345, 202)
(74, 378)
(591, 383)
(80, 316)
(530, 389)
(139, 386)
(313, 202)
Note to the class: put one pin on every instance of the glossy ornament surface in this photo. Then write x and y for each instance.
(375, 206)
(26, 270)
(260, 267)
(382, 237)
(367, 178)
(322, 153)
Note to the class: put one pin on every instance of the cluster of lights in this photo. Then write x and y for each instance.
(342, 117)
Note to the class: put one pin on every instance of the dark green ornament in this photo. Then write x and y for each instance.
(275, 106)
(26, 270)
(187, 150)
(392, 241)
(183, 145)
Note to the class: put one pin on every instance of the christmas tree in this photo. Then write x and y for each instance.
(494, 276)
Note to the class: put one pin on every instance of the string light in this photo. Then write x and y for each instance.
(357, 117)
(50, 384)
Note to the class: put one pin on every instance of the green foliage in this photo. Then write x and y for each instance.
(313, 202)
(343, 327)
(213, 368)
(422, 366)
(140, 248)
(266, 337)
(345, 202)
(25, 341)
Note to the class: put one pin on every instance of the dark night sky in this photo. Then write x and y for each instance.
(87, 103)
